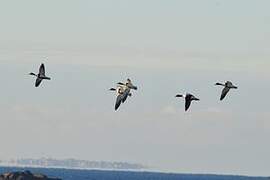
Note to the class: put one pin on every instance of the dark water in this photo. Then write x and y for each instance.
(67, 174)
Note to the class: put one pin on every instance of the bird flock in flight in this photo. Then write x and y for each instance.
(123, 90)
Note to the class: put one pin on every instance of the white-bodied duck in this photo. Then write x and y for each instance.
(119, 96)
(126, 89)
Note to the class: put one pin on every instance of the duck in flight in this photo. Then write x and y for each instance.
(188, 98)
(227, 86)
(40, 76)
(122, 92)
(119, 96)
(126, 89)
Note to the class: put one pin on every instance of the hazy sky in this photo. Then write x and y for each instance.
(165, 47)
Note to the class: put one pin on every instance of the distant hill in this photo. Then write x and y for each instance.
(26, 175)
(72, 164)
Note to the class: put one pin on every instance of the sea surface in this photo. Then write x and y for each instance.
(70, 174)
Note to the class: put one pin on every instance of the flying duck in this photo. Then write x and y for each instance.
(126, 89)
(40, 76)
(188, 98)
(119, 96)
(227, 86)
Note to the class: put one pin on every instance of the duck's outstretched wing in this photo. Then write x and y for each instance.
(118, 101)
(38, 81)
(224, 93)
(187, 104)
(125, 95)
(42, 69)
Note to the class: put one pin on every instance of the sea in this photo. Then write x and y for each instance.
(75, 174)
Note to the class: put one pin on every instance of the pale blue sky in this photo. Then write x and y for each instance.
(165, 47)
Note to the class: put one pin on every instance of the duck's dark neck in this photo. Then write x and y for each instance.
(179, 95)
(33, 74)
(220, 84)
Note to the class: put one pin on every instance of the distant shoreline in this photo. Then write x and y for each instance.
(146, 171)
(74, 168)
(72, 164)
